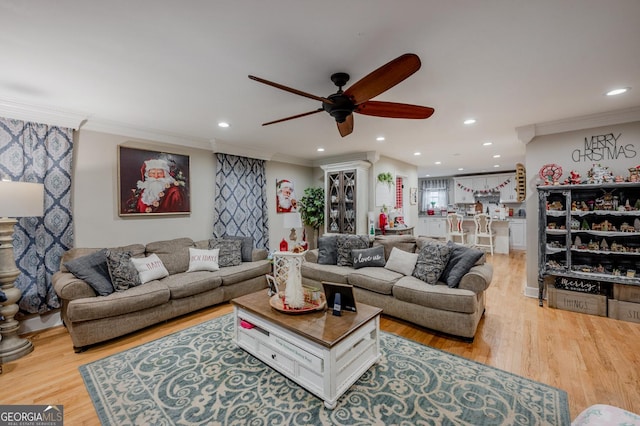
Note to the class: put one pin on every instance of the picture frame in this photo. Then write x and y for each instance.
(347, 299)
(152, 183)
(413, 196)
(286, 199)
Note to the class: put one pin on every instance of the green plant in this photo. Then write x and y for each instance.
(386, 178)
(312, 207)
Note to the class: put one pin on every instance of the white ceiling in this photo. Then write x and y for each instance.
(179, 67)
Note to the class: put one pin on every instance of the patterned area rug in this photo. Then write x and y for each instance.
(198, 376)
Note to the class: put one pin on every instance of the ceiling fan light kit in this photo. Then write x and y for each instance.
(357, 98)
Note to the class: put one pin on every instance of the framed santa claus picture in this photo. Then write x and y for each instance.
(286, 200)
(152, 182)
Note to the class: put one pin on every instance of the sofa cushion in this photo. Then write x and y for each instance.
(460, 262)
(378, 280)
(402, 242)
(118, 303)
(439, 296)
(203, 260)
(328, 250)
(432, 259)
(187, 284)
(150, 268)
(121, 270)
(173, 253)
(332, 273)
(245, 271)
(373, 256)
(401, 261)
(230, 251)
(346, 243)
(92, 268)
(246, 246)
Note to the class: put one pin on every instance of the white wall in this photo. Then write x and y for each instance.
(95, 195)
(568, 150)
(397, 168)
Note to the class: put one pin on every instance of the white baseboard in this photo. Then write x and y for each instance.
(40, 322)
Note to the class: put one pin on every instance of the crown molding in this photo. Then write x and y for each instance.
(628, 115)
(41, 114)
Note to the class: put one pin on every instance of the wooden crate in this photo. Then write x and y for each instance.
(594, 304)
(626, 293)
(625, 311)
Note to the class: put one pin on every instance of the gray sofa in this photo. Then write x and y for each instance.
(91, 318)
(454, 311)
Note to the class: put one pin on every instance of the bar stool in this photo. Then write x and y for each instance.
(454, 228)
(483, 231)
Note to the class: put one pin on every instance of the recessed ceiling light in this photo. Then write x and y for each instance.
(320, 149)
(380, 138)
(223, 124)
(427, 175)
(469, 121)
(487, 143)
(496, 165)
(438, 162)
(496, 156)
(460, 169)
(618, 91)
(417, 153)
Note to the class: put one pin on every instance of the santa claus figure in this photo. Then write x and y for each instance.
(159, 191)
(285, 197)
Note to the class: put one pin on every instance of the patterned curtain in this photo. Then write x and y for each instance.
(241, 201)
(31, 152)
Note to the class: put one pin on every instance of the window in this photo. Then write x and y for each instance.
(433, 193)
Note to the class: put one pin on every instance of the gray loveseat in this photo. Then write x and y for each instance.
(454, 310)
(91, 318)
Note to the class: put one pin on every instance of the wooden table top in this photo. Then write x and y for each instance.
(321, 327)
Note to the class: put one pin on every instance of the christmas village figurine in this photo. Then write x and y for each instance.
(574, 178)
(634, 174)
(599, 174)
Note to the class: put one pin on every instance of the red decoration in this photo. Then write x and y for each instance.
(284, 246)
(383, 222)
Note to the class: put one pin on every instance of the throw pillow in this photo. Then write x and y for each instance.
(328, 250)
(346, 243)
(203, 260)
(230, 253)
(401, 261)
(460, 262)
(432, 259)
(121, 270)
(246, 246)
(368, 257)
(93, 270)
(149, 268)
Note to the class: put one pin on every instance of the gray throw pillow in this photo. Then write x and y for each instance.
(460, 262)
(230, 251)
(346, 243)
(93, 270)
(432, 259)
(123, 274)
(373, 256)
(246, 248)
(401, 261)
(328, 250)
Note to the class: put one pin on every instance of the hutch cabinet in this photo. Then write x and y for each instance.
(346, 191)
(590, 233)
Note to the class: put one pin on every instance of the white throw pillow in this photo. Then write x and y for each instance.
(203, 260)
(401, 261)
(149, 268)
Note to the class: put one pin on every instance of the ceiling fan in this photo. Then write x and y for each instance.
(342, 104)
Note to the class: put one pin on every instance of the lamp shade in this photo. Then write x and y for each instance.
(21, 199)
(292, 220)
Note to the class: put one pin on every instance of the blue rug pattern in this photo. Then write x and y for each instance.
(198, 376)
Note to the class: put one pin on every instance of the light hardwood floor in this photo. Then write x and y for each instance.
(594, 359)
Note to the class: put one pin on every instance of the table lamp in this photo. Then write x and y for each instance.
(293, 221)
(19, 199)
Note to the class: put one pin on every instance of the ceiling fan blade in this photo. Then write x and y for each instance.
(384, 78)
(394, 110)
(346, 127)
(290, 90)
(304, 114)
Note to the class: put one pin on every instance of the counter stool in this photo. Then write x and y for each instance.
(483, 231)
(454, 228)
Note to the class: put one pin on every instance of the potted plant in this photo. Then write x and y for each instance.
(386, 178)
(312, 211)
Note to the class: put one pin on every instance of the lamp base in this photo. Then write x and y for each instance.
(13, 347)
